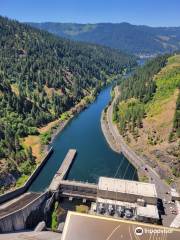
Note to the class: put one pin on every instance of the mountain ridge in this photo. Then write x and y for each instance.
(134, 39)
(148, 114)
(42, 77)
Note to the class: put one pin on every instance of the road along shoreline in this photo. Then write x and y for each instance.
(108, 136)
(118, 144)
(115, 140)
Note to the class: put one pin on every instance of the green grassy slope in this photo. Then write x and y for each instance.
(148, 114)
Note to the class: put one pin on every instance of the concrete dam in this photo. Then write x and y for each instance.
(27, 210)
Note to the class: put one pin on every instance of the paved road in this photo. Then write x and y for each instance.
(161, 187)
(13, 206)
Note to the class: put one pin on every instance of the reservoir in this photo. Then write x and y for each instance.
(94, 156)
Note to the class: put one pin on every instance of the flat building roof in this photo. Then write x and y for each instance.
(87, 227)
(127, 186)
(149, 211)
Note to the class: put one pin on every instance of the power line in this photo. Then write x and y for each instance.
(126, 170)
(119, 167)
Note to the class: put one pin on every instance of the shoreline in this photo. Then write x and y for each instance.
(73, 111)
(109, 138)
(77, 109)
(56, 127)
(116, 141)
(145, 172)
(60, 125)
(64, 123)
(57, 131)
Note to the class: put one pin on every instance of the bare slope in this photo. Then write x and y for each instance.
(156, 136)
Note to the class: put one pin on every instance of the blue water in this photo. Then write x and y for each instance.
(94, 157)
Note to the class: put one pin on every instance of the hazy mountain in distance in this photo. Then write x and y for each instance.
(131, 38)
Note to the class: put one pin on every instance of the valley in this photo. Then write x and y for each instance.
(89, 120)
(41, 78)
(143, 41)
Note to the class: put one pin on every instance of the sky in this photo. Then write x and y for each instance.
(140, 12)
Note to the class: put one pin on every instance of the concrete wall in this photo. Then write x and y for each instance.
(10, 195)
(125, 197)
(147, 220)
(63, 170)
(79, 188)
(18, 220)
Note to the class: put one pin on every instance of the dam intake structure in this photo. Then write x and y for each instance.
(27, 209)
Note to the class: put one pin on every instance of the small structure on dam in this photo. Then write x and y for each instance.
(125, 190)
(63, 170)
(114, 197)
(130, 199)
(22, 212)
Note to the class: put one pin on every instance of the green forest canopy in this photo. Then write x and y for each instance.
(136, 91)
(134, 39)
(32, 64)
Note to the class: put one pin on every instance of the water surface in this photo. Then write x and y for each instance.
(94, 156)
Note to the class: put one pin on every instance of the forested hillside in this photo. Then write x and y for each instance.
(148, 114)
(42, 76)
(140, 40)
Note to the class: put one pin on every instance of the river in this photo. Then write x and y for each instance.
(94, 156)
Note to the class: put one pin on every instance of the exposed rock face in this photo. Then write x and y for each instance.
(162, 156)
(7, 179)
